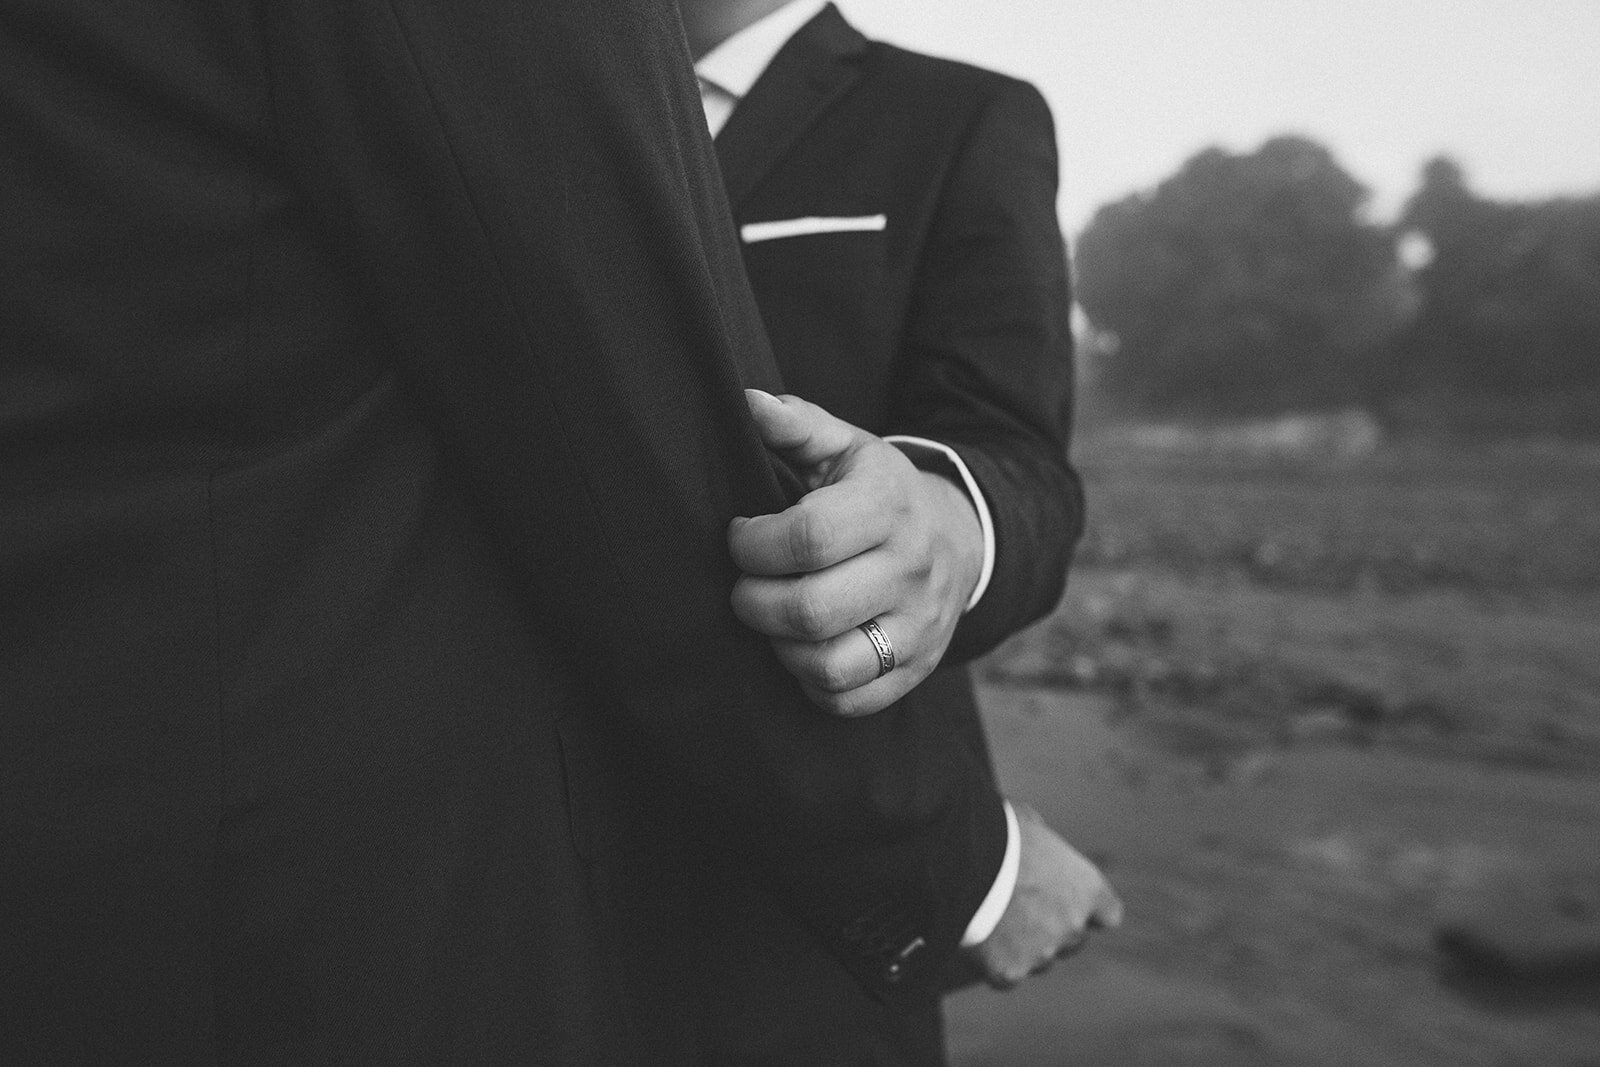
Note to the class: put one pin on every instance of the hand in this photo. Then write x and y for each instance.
(1060, 897)
(873, 538)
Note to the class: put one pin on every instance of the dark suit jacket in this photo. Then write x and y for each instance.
(369, 426)
(951, 323)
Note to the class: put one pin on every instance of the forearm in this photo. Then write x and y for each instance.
(1037, 507)
(989, 359)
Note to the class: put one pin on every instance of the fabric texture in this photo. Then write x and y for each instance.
(949, 323)
(370, 421)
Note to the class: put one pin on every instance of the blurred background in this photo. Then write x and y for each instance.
(1324, 691)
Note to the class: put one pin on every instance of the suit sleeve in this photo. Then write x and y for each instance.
(527, 194)
(989, 356)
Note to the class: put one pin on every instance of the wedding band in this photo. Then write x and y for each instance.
(880, 644)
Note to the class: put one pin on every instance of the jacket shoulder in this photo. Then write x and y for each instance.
(944, 83)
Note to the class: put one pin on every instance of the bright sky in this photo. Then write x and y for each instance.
(1510, 88)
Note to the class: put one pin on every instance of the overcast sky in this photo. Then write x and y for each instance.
(1510, 89)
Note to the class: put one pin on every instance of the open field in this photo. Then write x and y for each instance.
(1334, 726)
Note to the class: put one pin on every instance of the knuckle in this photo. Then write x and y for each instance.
(810, 534)
(900, 502)
(832, 675)
(806, 613)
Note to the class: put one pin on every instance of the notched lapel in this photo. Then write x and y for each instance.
(817, 65)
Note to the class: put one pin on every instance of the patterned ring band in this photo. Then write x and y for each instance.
(880, 644)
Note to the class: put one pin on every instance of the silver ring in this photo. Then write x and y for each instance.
(880, 644)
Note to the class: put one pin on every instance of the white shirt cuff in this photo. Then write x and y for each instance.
(905, 442)
(994, 905)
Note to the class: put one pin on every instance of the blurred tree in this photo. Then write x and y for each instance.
(1508, 336)
(1244, 284)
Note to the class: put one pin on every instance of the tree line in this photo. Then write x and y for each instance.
(1253, 284)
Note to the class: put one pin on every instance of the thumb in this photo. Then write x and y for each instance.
(806, 434)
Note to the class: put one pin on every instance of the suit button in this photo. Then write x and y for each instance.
(896, 968)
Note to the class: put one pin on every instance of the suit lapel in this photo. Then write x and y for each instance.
(817, 65)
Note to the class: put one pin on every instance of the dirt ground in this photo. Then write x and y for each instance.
(1335, 733)
(1286, 916)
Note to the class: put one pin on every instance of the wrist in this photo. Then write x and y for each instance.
(938, 458)
(960, 530)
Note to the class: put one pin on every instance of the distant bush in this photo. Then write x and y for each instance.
(1243, 285)
(1247, 286)
(1507, 336)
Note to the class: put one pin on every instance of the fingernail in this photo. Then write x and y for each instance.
(763, 394)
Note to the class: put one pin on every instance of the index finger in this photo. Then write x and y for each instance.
(827, 526)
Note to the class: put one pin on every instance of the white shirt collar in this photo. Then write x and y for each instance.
(735, 64)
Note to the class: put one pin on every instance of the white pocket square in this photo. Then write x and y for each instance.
(768, 231)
